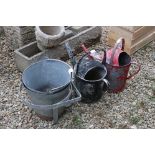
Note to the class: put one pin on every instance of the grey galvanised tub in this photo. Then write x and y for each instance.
(49, 86)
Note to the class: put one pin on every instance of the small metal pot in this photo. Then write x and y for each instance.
(90, 79)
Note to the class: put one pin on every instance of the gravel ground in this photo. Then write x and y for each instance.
(132, 108)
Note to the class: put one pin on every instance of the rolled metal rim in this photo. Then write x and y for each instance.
(93, 81)
(48, 93)
(54, 90)
(119, 66)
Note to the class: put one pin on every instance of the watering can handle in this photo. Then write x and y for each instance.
(136, 72)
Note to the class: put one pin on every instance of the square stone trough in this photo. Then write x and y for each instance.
(30, 53)
(27, 55)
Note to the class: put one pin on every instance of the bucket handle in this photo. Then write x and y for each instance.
(54, 107)
(107, 84)
(79, 62)
(136, 72)
(87, 54)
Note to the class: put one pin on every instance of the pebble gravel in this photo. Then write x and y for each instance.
(131, 109)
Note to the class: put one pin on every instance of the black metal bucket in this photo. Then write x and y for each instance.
(90, 80)
(49, 86)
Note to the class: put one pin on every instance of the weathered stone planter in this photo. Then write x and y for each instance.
(68, 34)
(31, 53)
(87, 36)
(27, 55)
(49, 36)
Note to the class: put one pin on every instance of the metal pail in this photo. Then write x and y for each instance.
(48, 83)
(90, 79)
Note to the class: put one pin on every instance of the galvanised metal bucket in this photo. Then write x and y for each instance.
(90, 79)
(89, 76)
(48, 83)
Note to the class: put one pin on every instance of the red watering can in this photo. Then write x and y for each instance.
(118, 65)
